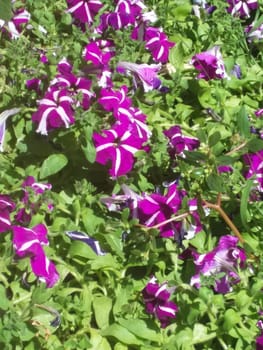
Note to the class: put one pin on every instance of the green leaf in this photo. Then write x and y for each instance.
(231, 318)
(102, 307)
(244, 213)
(52, 165)
(200, 334)
(140, 329)
(214, 138)
(243, 122)
(215, 183)
(98, 342)
(4, 302)
(122, 334)
(81, 249)
(5, 10)
(255, 145)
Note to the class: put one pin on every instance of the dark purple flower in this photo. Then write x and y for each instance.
(241, 8)
(54, 111)
(226, 258)
(33, 84)
(117, 145)
(158, 44)
(6, 206)
(259, 342)
(224, 169)
(210, 64)
(28, 242)
(178, 143)
(84, 10)
(156, 298)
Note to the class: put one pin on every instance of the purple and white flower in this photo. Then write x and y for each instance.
(54, 111)
(156, 298)
(84, 10)
(158, 44)
(14, 26)
(241, 8)
(210, 64)
(253, 33)
(254, 161)
(6, 206)
(226, 258)
(142, 73)
(29, 242)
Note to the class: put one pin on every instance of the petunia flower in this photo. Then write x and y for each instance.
(158, 44)
(241, 8)
(210, 64)
(117, 145)
(84, 10)
(6, 206)
(253, 33)
(156, 298)
(254, 161)
(54, 111)
(14, 26)
(143, 73)
(225, 258)
(3, 117)
(29, 242)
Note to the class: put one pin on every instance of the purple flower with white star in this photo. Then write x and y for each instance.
(6, 207)
(178, 143)
(142, 73)
(226, 258)
(156, 298)
(54, 111)
(210, 64)
(99, 52)
(117, 145)
(158, 44)
(254, 161)
(84, 10)
(241, 8)
(14, 26)
(29, 242)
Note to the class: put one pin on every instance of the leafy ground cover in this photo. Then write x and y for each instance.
(131, 174)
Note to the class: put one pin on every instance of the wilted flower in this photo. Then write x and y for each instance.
(144, 73)
(156, 298)
(210, 64)
(226, 258)
(29, 242)
(3, 117)
(254, 33)
(83, 237)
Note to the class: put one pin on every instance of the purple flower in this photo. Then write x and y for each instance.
(82, 237)
(226, 258)
(259, 112)
(29, 242)
(84, 10)
(3, 117)
(54, 111)
(178, 143)
(14, 26)
(155, 209)
(254, 33)
(6, 206)
(144, 73)
(210, 64)
(259, 342)
(117, 145)
(157, 43)
(255, 163)
(241, 8)
(156, 298)
(224, 169)
(33, 84)
(99, 52)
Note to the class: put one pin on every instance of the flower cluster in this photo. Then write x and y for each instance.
(156, 298)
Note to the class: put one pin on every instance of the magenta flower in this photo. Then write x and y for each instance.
(259, 342)
(54, 111)
(14, 26)
(117, 145)
(178, 143)
(142, 73)
(241, 8)
(6, 206)
(84, 10)
(33, 84)
(29, 242)
(99, 52)
(254, 161)
(157, 43)
(227, 257)
(156, 298)
(210, 64)
(259, 112)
